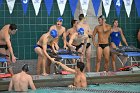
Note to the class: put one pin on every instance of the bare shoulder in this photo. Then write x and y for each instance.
(69, 29)
(86, 36)
(97, 27)
(109, 26)
(87, 25)
(63, 28)
(29, 77)
(45, 36)
(74, 35)
(52, 27)
(6, 26)
(15, 75)
(120, 29)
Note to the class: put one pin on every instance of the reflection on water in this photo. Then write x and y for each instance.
(101, 88)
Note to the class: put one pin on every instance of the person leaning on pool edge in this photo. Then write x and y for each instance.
(80, 80)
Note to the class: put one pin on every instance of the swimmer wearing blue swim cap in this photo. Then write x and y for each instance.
(60, 19)
(53, 33)
(80, 31)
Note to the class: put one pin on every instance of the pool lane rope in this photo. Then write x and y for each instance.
(87, 90)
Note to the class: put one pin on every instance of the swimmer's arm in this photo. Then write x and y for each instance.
(67, 35)
(85, 44)
(8, 42)
(55, 46)
(66, 68)
(68, 32)
(138, 35)
(71, 40)
(51, 28)
(64, 38)
(93, 36)
(89, 31)
(123, 37)
(10, 86)
(105, 29)
(31, 83)
(45, 48)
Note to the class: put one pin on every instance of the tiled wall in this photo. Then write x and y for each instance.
(30, 26)
(129, 25)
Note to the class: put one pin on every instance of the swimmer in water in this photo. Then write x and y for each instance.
(21, 81)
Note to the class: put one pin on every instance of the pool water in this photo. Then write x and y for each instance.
(101, 88)
(97, 88)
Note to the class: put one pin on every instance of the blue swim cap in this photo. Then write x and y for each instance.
(60, 19)
(53, 33)
(80, 31)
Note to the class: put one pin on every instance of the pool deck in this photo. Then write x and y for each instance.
(55, 80)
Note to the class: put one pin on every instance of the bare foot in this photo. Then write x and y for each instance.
(45, 74)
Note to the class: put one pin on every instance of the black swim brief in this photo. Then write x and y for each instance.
(89, 36)
(103, 45)
(4, 46)
(88, 44)
(48, 46)
(38, 46)
(78, 47)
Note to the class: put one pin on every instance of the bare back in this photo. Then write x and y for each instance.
(45, 38)
(76, 39)
(80, 80)
(21, 81)
(4, 34)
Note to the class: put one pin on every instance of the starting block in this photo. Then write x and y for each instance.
(4, 65)
(127, 51)
(66, 57)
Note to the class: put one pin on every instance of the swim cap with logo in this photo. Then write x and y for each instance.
(53, 33)
(80, 31)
